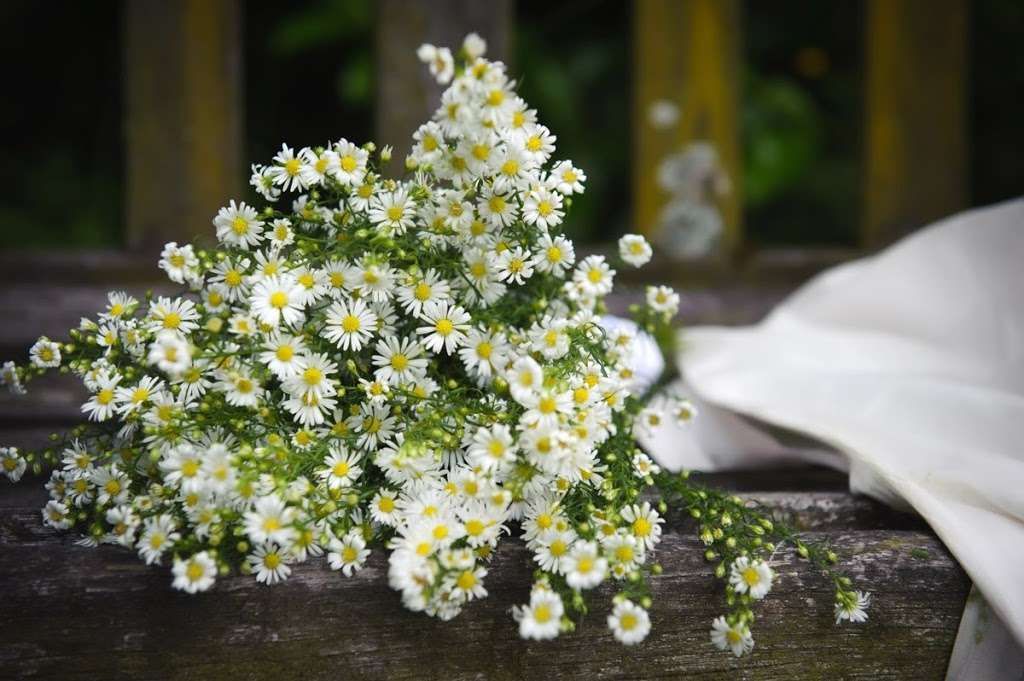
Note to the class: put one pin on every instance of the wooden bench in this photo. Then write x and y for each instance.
(72, 612)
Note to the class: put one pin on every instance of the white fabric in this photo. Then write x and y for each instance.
(910, 363)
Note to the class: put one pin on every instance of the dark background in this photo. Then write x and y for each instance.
(309, 77)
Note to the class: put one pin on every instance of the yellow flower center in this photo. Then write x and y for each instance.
(279, 299)
(399, 362)
(422, 291)
(444, 326)
(240, 225)
(751, 576)
(350, 323)
(542, 613)
(348, 164)
(467, 580)
(285, 353)
(312, 376)
(340, 469)
(628, 621)
(641, 527)
(172, 320)
(292, 166)
(105, 396)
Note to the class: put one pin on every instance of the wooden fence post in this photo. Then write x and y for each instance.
(183, 117)
(407, 95)
(688, 53)
(915, 115)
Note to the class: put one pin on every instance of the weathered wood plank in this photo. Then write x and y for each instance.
(77, 613)
(915, 115)
(687, 52)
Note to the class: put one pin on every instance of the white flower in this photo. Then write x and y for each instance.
(474, 46)
(554, 255)
(515, 265)
(543, 208)
(351, 163)
(751, 575)
(566, 179)
(440, 61)
(428, 288)
(350, 325)
(45, 354)
(341, 468)
(594, 276)
(541, 619)
(852, 606)
(278, 298)
(663, 299)
(445, 327)
(170, 352)
(348, 553)
(11, 463)
(644, 523)
(241, 389)
(238, 226)
(158, 535)
(392, 212)
(180, 263)
(635, 250)
(287, 171)
(399, 361)
(178, 315)
(269, 562)
(374, 281)
(283, 354)
(9, 377)
(585, 567)
(727, 636)
(491, 448)
(525, 378)
(484, 352)
(195, 574)
(133, 398)
(270, 520)
(629, 622)
(685, 411)
(55, 514)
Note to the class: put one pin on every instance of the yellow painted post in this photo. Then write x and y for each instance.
(915, 115)
(688, 53)
(183, 117)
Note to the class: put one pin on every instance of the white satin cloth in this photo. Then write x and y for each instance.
(909, 365)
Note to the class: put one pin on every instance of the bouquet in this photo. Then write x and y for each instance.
(415, 365)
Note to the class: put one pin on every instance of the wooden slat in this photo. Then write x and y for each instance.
(76, 613)
(915, 115)
(407, 94)
(687, 52)
(183, 117)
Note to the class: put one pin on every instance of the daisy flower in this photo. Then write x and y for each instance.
(515, 265)
(159, 534)
(549, 338)
(348, 553)
(281, 233)
(232, 274)
(374, 281)
(238, 226)
(384, 507)
(497, 208)
(374, 424)
(491, 448)
(170, 352)
(56, 515)
(554, 255)
(269, 562)
(594, 276)
(341, 468)
(663, 299)
(317, 166)
(852, 606)
(634, 250)
(129, 399)
(468, 584)
(585, 567)
(398, 361)
(179, 262)
(751, 575)
(735, 637)
(287, 171)
(439, 60)
(270, 520)
(445, 328)
(11, 463)
(119, 305)
(392, 212)
(241, 389)
(543, 208)
(644, 523)
(428, 288)
(283, 354)
(629, 623)
(541, 619)
(352, 166)
(350, 325)
(179, 315)
(484, 352)
(195, 574)
(566, 179)
(278, 298)
(45, 354)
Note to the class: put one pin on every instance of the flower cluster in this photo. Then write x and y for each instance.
(417, 364)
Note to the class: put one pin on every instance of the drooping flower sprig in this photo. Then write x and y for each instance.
(417, 365)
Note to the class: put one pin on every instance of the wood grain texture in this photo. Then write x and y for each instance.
(77, 613)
